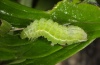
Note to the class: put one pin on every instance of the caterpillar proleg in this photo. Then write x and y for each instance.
(54, 32)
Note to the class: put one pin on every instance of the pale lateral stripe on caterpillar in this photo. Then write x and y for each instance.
(57, 34)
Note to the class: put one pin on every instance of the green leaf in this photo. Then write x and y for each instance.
(5, 54)
(22, 15)
(79, 12)
(60, 55)
(16, 41)
(40, 52)
(26, 48)
(83, 15)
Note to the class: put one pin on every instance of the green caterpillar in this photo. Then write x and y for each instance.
(57, 34)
